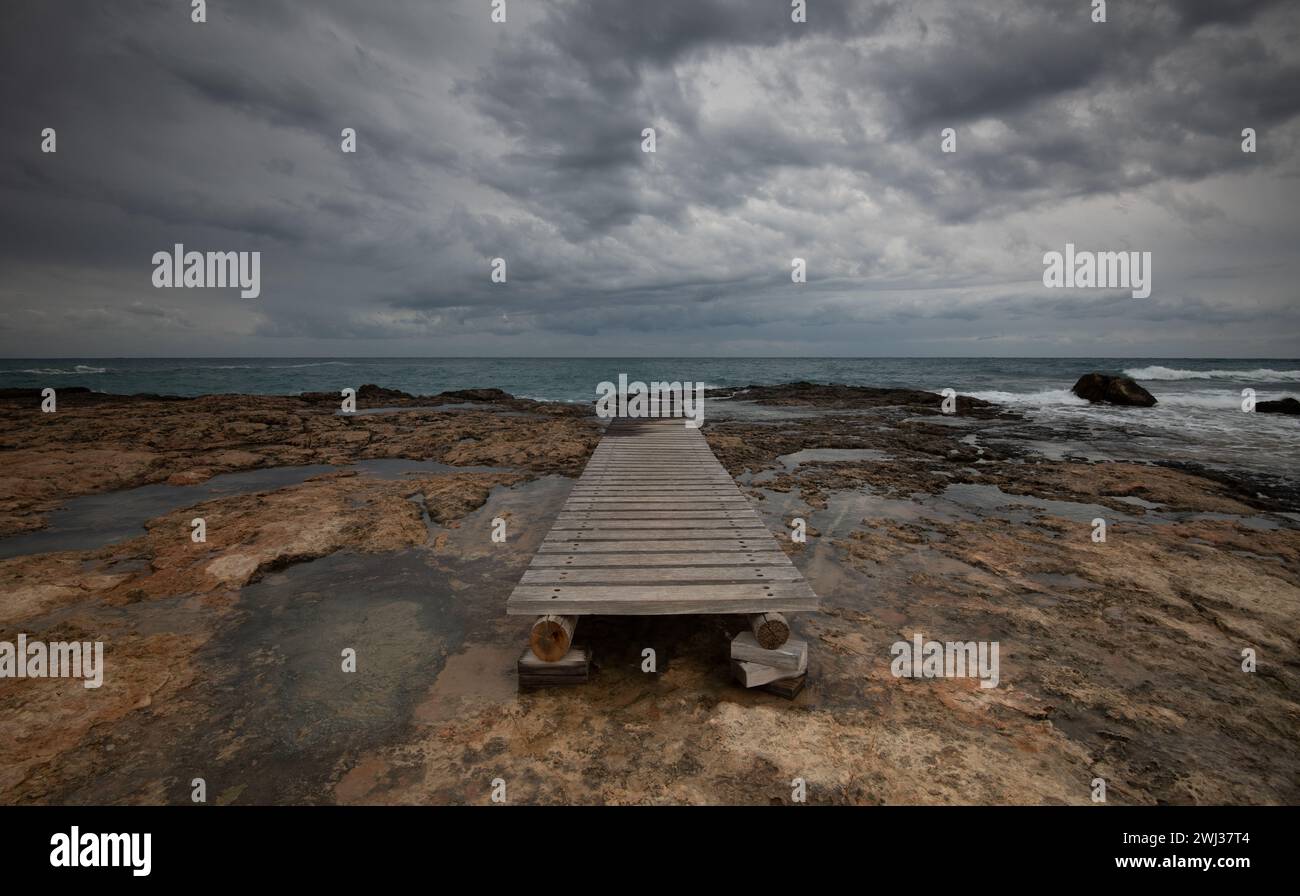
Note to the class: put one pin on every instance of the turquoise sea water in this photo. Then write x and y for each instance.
(1198, 417)
(1039, 380)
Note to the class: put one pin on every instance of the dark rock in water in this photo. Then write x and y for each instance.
(838, 395)
(80, 396)
(36, 393)
(476, 395)
(371, 392)
(1282, 406)
(1113, 390)
(368, 395)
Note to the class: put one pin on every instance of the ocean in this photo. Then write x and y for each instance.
(1198, 417)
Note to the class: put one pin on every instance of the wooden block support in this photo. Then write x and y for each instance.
(751, 675)
(770, 629)
(574, 668)
(786, 682)
(792, 656)
(552, 636)
(788, 688)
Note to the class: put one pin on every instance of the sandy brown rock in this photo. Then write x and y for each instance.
(1119, 659)
(838, 395)
(97, 443)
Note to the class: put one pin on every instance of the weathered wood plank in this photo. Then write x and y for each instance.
(789, 688)
(651, 575)
(791, 656)
(660, 600)
(583, 536)
(566, 515)
(722, 500)
(606, 525)
(659, 491)
(574, 668)
(641, 481)
(575, 560)
(614, 547)
(655, 525)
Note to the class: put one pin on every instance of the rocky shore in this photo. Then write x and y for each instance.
(1121, 659)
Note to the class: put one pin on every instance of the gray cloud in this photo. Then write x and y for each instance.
(522, 140)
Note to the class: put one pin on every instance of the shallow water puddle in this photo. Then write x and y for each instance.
(93, 521)
(991, 501)
(480, 675)
(830, 455)
(273, 717)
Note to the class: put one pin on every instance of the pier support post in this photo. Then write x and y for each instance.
(770, 629)
(552, 636)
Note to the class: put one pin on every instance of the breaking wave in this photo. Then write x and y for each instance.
(1260, 375)
(1045, 398)
(60, 371)
(267, 366)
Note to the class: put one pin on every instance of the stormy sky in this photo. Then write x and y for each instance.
(775, 140)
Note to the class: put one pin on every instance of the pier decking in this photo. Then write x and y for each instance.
(656, 526)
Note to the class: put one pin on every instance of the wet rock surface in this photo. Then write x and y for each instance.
(97, 443)
(1119, 390)
(838, 395)
(1281, 406)
(1120, 658)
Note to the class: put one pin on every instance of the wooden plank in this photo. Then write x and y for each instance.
(703, 502)
(651, 485)
(751, 675)
(789, 688)
(659, 600)
(703, 454)
(690, 460)
(791, 656)
(656, 515)
(640, 477)
(614, 547)
(642, 480)
(702, 558)
(727, 500)
(653, 479)
(633, 495)
(607, 525)
(575, 668)
(583, 536)
(656, 526)
(650, 575)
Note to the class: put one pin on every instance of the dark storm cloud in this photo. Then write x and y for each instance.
(521, 141)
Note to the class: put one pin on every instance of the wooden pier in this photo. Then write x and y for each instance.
(654, 526)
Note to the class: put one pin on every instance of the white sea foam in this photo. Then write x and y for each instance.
(1258, 375)
(269, 366)
(1198, 399)
(60, 371)
(1044, 398)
